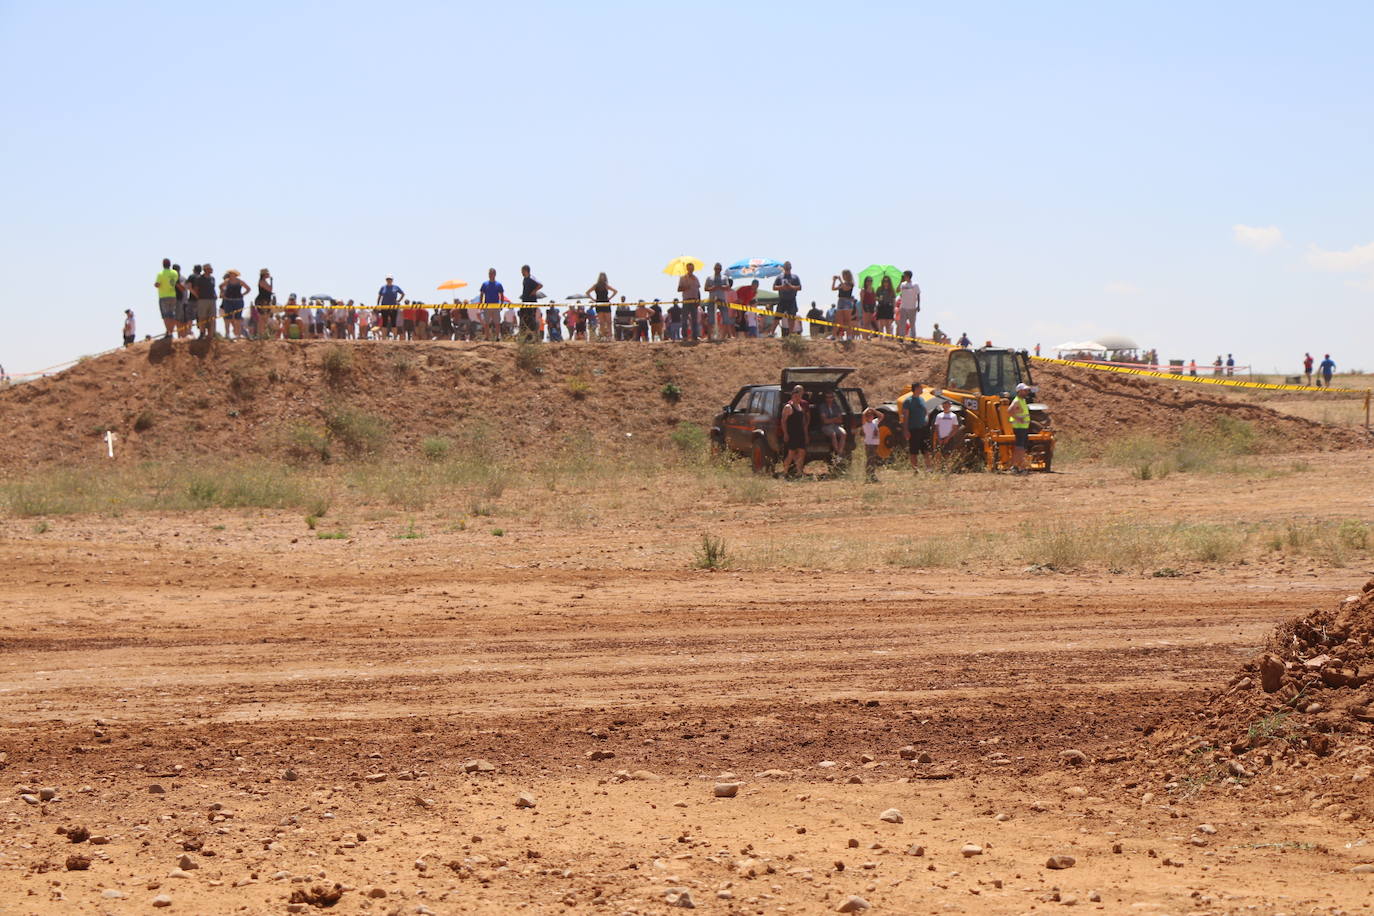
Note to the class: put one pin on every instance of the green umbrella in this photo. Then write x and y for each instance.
(877, 272)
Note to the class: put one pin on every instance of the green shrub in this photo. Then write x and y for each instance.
(436, 448)
(337, 362)
(711, 553)
(689, 439)
(529, 356)
(144, 420)
(795, 346)
(355, 433)
(671, 392)
(578, 387)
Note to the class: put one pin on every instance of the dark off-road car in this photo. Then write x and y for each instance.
(751, 424)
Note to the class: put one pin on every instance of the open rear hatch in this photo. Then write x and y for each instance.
(813, 376)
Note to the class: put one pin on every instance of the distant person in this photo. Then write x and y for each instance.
(843, 286)
(908, 304)
(814, 316)
(1192, 367)
(689, 287)
(717, 312)
(885, 315)
(946, 424)
(262, 303)
(1019, 414)
(1328, 368)
(552, 321)
(675, 321)
(1230, 364)
(231, 292)
(788, 285)
(602, 292)
(1307, 367)
(1216, 365)
(166, 284)
(964, 340)
(832, 423)
(796, 430)
(206, 293)
(529, 295)
(868, 305)
(489, 297)
(388, 299)
(129, 327)
(1037, 349)
(186, 312)
(872, 437)
(911, 411)
(938, 335)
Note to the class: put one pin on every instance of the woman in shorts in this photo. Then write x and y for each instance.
(868, 303)
(601, 292)
(262, 304)
(231, 290)
(843, 285)
(885, 314)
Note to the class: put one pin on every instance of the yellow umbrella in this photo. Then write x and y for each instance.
(453, 284)
(677, 267)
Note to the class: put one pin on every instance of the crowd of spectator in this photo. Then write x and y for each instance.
(191, 304)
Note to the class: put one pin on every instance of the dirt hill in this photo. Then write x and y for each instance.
(187, 399)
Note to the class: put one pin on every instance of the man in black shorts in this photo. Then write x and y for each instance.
(388, 303)
(788, 285)
(915, 421)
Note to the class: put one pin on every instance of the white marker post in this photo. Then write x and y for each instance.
(109, 442)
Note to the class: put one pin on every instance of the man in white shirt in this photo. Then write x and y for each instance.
(946, 425)
(909, 303)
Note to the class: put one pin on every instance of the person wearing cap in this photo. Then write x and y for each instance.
(129, 327)
(388, 298)
(1020, 427)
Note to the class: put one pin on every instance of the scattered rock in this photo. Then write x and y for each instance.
(156, 789)
(1272, 670)
(907, 753)
(645, 776)
(892, 816)
(852, 904)
(77, 862)
(179, 873)
(1207, 829)
(925, 758)
(77, 834)
(915, 850)
(525, 800)
(112, 894)
(479, 766)
(600, 755)
(187, 863)
(290, 775)
(971, 849)
(162, 900)
(725, 789)
(1073, 757)
(377, 893)
(375, 777)
(680, 896)
(1060, 862)
(1094, 897)
(29, 799)
(318, 895)
(47, 793)
(1363, 870)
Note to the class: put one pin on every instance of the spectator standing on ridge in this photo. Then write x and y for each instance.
(842, 284)
(1230, 364)
(206, 293)
(231, 292)
(166, 283)
(1328, 368)
(1216, 365)
(185, 311)
(1192, 367)
(689, 286)
(908, 304)
(529, 295)
(788, 285)
(601, 292)
(388, 297)
(1307, 367)
(129, 327)
(886, 314)
(489, 297)
(262, 304)
(718, 309)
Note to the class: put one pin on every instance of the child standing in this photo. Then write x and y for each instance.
(871, 427)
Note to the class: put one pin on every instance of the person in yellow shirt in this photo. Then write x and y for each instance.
(166, 283)
(1020, 427)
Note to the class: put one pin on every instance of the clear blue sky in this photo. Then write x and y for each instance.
(1197, 176)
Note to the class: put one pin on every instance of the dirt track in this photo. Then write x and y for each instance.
(325, 695)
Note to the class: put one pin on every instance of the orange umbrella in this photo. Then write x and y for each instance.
(453, 284)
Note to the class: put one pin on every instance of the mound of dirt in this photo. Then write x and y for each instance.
(184, 399)
(1302, 712)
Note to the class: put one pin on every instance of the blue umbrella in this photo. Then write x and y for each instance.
(751, 268)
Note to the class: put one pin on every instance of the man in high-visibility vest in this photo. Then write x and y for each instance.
(1020, 427)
